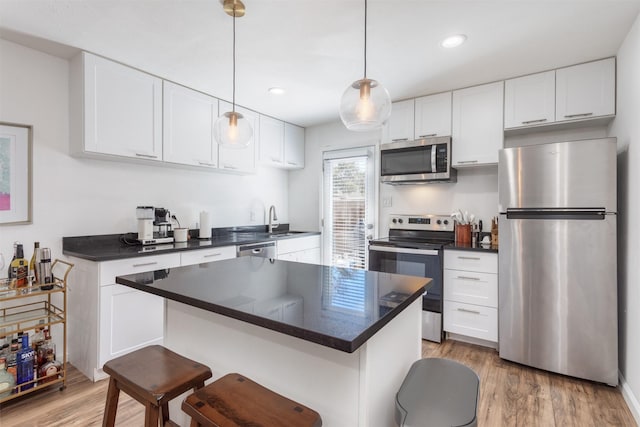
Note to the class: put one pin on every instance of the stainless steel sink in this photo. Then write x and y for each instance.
(286, 233)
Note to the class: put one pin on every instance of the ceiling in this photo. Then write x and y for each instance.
(314, 48)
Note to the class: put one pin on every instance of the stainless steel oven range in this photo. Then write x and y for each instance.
(415, 247)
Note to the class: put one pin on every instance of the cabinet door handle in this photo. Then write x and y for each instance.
(206, 164)
(276, 160)
(428, 135)
(569, 116)
(217, 254)
(464, 310)
(292, 163)
(467, 161)
(146, 156)
(145, 264)
(229, 167)
(400, 139)
(469, 278)
(469, 257)
(528, 122)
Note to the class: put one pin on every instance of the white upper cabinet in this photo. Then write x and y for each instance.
(240, 159)
(271, 141)
(433, 116)
(477, 132)
(189, 117)
(116, 110)
(293, 146)
(530, 100)
(586, 90)
(400, 124)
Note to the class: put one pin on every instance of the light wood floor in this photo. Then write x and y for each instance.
(510, 395)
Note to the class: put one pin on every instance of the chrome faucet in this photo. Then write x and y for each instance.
(272, 219)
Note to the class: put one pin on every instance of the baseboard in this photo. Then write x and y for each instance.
(472, 340)
(630, 398)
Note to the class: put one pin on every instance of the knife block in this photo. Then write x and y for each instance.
(463, 234)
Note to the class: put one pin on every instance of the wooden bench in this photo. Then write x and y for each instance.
(235, 400)
(153, 376)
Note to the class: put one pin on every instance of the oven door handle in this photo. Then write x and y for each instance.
(403, 250)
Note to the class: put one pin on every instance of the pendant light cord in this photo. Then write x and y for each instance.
(365, 39)
(233, 105)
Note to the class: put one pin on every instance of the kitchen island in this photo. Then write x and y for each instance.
(337, 340)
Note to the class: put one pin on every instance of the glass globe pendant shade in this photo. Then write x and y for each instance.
(365, 105)
(232, 130)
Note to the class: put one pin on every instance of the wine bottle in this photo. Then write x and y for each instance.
(34, 259)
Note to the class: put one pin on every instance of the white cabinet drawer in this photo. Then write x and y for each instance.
(207, 255)
(471, 261)
(471, 320)
(110, 269)
(298, 244)
(471, 287)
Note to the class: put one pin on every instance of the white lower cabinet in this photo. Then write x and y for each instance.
(471, 294)
(108, 320)
(302, 249)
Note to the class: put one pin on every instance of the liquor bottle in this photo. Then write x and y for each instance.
(7, 382)
(50, 369)
(34, 261)
(25, 359)
(36, 342)
(15, 255)
(12, 360)
(20, 268)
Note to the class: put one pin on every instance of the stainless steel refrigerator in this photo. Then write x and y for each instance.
(557, 258)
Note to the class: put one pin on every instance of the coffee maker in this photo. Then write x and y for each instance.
(154, 225)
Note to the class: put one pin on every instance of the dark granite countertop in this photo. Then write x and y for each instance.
(339, 308)
(119, 246)
(470, 247)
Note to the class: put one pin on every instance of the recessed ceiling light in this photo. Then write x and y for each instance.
(453, 41)
(276, 90)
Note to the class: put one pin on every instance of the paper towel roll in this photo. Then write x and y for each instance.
(205, 225)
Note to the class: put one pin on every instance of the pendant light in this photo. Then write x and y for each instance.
(366, 104)
(232, 129)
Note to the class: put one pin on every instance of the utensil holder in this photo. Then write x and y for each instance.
(463, 233)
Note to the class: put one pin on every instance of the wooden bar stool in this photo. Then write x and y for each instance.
(234, 400)
(153, 376)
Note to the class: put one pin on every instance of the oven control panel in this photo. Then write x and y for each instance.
(421, 222)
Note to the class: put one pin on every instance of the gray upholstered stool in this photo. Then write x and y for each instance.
(438, 392)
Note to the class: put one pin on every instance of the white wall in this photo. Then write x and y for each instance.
(626, 127)
(74, 196)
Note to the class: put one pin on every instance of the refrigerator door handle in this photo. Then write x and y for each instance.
(582, 214)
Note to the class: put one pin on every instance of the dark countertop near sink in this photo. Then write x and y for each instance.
(119, 246)
(340, 308)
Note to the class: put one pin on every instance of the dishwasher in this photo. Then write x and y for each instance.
(263, 249)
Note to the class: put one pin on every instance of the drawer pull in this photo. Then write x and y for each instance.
(528, 122)
(569, 116)
(468, 311)
(469, 278)
(467, 161)
(212, 255)
(469, 257)
(146, 156)
(145, 264)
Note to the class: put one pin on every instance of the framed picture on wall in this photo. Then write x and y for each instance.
(15, 173)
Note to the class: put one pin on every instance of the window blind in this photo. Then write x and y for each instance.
(346, 181)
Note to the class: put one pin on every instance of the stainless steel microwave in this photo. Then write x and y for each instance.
(412, 162)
